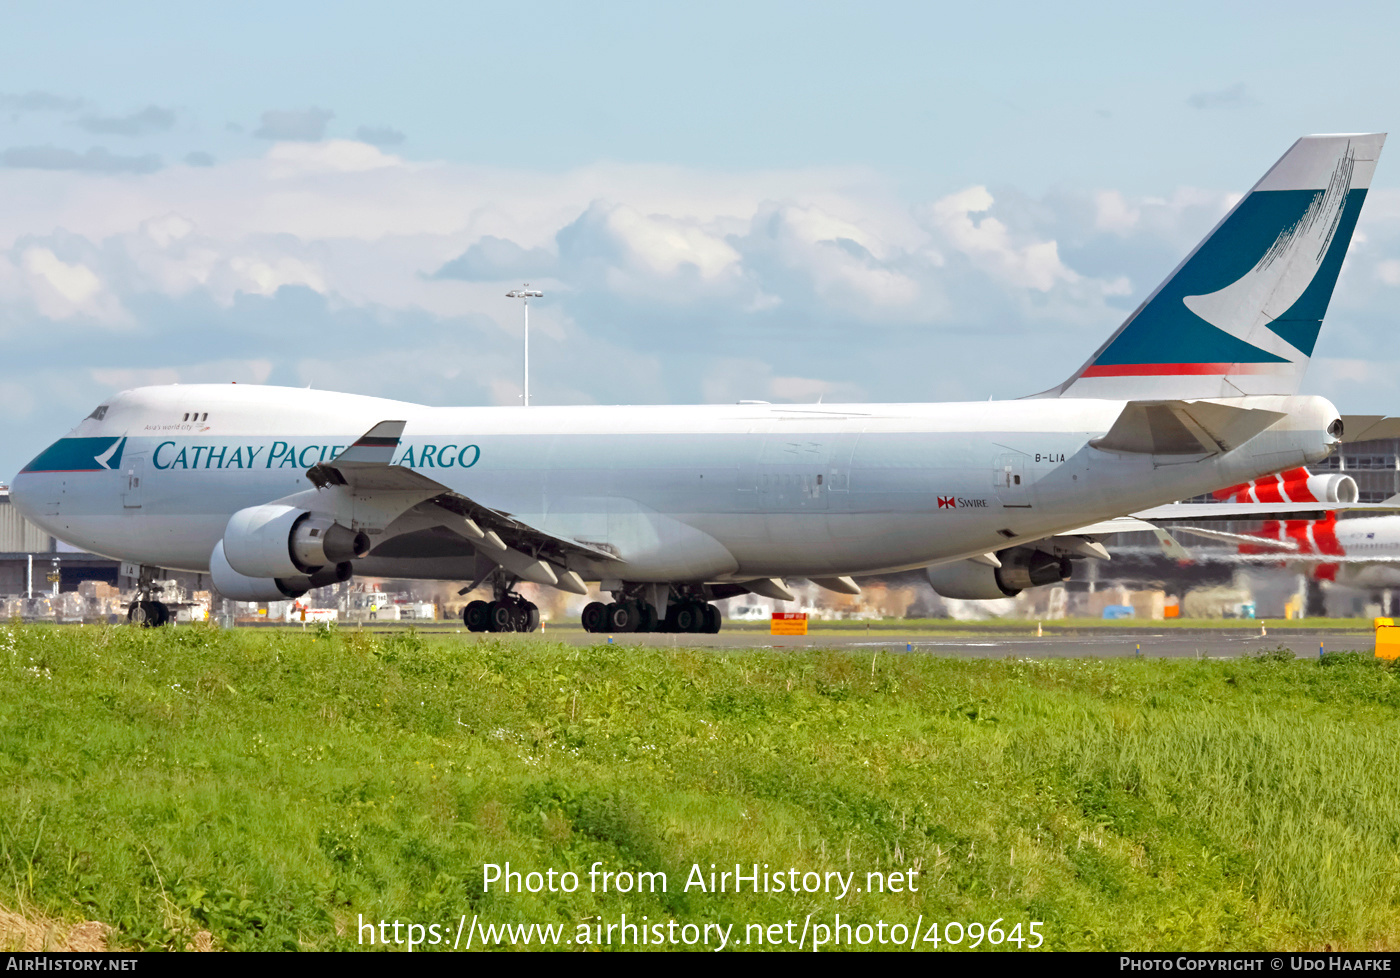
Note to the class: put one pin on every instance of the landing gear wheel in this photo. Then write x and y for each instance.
(710, 619)
(476, 616)
(595, 616)
(532, 616)
(622, 617)
(646, 617)
(689, 617)
(501, 615)
(148, 614)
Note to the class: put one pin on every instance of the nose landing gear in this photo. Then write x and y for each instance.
(148, 614)
(145, 610)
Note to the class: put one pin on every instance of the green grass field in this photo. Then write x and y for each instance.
(1020, 626)
(275, 786)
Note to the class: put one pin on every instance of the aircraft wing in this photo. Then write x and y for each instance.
(1070, 543)
(1176, 512)
(366, 471)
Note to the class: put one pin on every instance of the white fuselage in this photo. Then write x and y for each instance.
(700, 493)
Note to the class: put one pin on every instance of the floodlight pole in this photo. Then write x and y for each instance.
(525, 295)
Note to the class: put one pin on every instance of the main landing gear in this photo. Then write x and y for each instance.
(636, 615)
(510, 613)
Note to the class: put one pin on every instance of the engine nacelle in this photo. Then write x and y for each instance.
(240, 587)
(320, 542)
(1021, 567)
(968, 581)
(1294, 486)
(280, 541)
(1332, 488)
(335, 574)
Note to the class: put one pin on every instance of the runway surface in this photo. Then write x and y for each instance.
(1103, 644)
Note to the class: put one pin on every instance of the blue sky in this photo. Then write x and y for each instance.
(769, 200)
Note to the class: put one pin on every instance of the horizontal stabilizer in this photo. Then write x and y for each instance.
(1369, 427)
(1183, 428)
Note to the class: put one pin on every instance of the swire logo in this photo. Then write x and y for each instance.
(946, 502)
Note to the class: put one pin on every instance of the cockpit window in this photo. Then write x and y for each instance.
(98, 413)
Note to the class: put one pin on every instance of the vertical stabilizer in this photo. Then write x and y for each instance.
(1241, 314)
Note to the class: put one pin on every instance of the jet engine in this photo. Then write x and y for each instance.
(280, 541)
(1334, 488)
(1021, 567)
(240, 587)
(1294, 486)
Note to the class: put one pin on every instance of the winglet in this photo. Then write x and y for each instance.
(376, 446)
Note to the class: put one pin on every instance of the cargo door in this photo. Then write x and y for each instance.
(792, 473)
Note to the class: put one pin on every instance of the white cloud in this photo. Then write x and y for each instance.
(733, 379)
(1113, 213)
(214, 372)
(63, 291)
(990, 243)
(662, 283)
(336, 155)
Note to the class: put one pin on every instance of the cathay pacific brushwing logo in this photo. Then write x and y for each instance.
(80, 455)
(1245, 308)
(112, 457)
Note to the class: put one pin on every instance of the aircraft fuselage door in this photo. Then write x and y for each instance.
(133, 476)
(792, 474)
(1009, 477)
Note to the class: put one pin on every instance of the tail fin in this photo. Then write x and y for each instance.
(1241, 314)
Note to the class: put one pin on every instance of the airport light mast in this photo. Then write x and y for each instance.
(526, 294)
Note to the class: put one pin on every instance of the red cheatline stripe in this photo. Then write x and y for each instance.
(1173, 369)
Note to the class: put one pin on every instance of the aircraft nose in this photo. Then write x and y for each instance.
(22, 493)
(33, 483)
